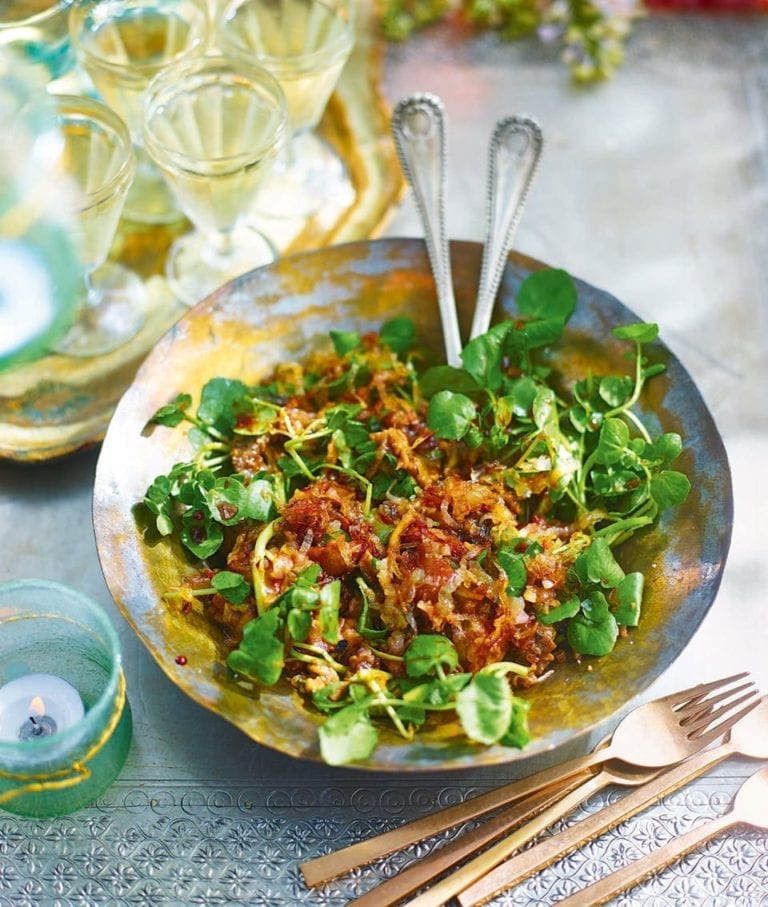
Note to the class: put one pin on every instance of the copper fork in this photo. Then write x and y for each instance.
(750, 807)
(748, 738)
(656, 734)
(475, 869)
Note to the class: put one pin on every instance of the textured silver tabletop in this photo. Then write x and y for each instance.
(654, 186)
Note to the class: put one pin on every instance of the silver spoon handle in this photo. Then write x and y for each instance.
(514, 154)
(419, 133)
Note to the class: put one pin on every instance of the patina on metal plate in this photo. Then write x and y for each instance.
(58, 404)
(281, 312)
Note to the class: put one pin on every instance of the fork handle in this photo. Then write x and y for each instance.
(602, 891)
(450, 886)
(551, 849)
(323, 869)
(419, 134)
(393, 890)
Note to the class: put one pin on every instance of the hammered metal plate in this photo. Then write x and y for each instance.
(281, 312)
(58, 404)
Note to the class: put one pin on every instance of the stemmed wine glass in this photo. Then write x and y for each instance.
(213, 127)
(122, 47)
(37, 31)
(304, 44)
(38, 260)
(98, 158)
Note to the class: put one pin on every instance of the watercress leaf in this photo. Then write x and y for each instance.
(521, 392)
(172, 413)
(399, 334)
(669, 487)
(404, 485)
(347, 735)
(613, 441)
(517, 733)
(513, 565)
(484, 707)
(221, 402)
(601, 565)
(257, 422)
(629, 597)
(426, 652)
(447, 378)
(640, 332)
(579, 570)
(299, 624)
(569, 608)
(260, 654)
(327, 698)
(542, 332)
(258, 500)
(450, 415)
(666, 447)
(301, 598)
(544, 409)
(473, 437)
(231, 586)
(362, 621)
(594, 631)
(344, 341)
(202, 537)
(482, 357)
(579, 418)
(343, 451)
(547, 294)
(225, 500)
(411, 714)
(309, 575)
(338, 416)
(328, 612)
(615, 390)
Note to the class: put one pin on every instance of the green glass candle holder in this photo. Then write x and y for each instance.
(65, 722)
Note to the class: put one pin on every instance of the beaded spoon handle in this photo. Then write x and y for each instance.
(514, 154)
(419, 133)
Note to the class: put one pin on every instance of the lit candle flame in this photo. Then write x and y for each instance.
(37, 706)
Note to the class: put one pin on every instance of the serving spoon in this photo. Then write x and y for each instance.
(419, 132)
(514, 153)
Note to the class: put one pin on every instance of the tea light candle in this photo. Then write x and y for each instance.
(38, 705)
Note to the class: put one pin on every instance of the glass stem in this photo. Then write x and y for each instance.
(222, 242)
(89, 296)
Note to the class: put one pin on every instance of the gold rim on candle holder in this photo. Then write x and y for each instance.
(81, 772)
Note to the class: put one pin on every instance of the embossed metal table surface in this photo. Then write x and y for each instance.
(654, 186)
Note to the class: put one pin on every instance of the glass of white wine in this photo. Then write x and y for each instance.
(37, 31)
(98, 158)
(213, 127)
(304, 44)
(39, 271)
(122, 46)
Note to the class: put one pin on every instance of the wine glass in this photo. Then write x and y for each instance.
(37, 31)
(213, 127)
(98, 157)
(304, 44)
(38, 259)
(122, 47)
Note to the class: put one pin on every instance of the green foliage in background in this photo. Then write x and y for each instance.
(589, 34)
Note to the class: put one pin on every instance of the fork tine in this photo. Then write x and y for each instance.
(708, 717)
(702, 708)
(688, 697)
(710, 733)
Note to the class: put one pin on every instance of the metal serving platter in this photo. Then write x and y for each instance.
(281, 312)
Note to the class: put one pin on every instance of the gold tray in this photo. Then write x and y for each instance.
(58, 404)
